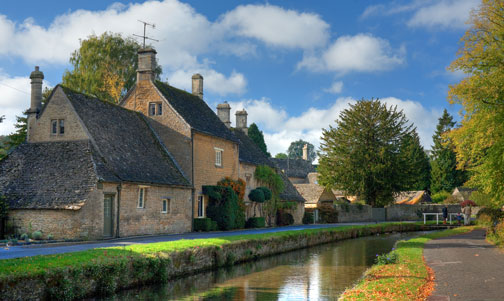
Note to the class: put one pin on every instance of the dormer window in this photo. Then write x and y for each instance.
(58, 126)
(155, 108)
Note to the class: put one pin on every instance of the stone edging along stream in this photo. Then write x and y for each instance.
(101, 278)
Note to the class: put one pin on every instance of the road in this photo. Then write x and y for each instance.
(58, 248)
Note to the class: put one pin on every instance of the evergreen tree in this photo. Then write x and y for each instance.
(361, 154)
(416, 162)
(295, 150)
(257, 136)
(281, 156)
(444, 174)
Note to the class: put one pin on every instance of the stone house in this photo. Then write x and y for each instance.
(92, 169)
(250, 156)
(203, 146)
(463, 193)
(315, 195)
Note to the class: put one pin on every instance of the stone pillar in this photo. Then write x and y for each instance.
(37, 78)
(241, 121)
(146, 64)
(197, 85)
(223, 111)
(305, 152)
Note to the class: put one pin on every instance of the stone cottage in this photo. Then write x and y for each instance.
(203, 146)
(92, 169)
(250, 156)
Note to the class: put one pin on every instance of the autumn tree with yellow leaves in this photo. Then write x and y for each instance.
(479, 141)
(104, 66)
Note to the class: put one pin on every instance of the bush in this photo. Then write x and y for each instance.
(256, 222)
(489, 217)
(267, 193)
(439, 197)
(451, 200)
(308, 218)
(203, 224)
(328, 214)
(284, 218)
(37, 235)
(24, 237)
(50, 237)
(257, 195)
(223, 207)
(389, 258)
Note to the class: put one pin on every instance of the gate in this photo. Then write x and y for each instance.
(379, 214)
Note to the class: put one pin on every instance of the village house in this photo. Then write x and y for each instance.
(463, 193)
(91, 169)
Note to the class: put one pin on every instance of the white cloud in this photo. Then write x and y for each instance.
(276, 26)
(15, 100)
(335, 88)
(444, 14)
(214, 81)
(280, 129)
(362, 53)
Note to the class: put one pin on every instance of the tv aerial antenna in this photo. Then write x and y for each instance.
(145, 37)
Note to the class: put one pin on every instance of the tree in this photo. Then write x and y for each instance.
(295, 150)
(104, 66)
(281, 156)
(361, 155)
(416, 162)
(444, 174)
(479, 141)
(257, 136)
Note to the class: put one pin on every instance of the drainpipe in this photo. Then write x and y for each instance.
(192, 181)
(119, 188)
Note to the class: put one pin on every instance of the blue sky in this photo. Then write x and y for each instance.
(293, 65)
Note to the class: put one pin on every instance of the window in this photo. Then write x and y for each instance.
(141, 197)
(218, 157)
(201, 206)
(166, 206)
(57, 126)
(155, 108)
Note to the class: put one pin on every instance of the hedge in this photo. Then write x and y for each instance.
(256, 222)
(204, 224)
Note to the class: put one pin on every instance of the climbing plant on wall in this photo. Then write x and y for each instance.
(269, 178)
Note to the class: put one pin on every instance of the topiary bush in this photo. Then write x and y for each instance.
(24, 237)
(308, 218)
(257, 195)
(37, 235)
(224, 208)
(267, 193)
(284, 218)
(203, 224)
(50, 237)
(256, 222)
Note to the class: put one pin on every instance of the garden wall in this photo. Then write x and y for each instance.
(414, 212)
(349, 213)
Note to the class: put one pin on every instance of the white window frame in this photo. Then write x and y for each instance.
(202, 206)
(218, 156)
(168, 205)
(54, 126)
(60, 124)
(142, 191)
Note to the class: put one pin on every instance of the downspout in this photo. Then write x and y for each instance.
(192, 181)
(119, 188)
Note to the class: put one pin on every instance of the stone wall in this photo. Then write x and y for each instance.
(413, 212)
(59, 107)
(349, 213)
(297, 212)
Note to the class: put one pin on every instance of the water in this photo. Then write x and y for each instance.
(317, 273)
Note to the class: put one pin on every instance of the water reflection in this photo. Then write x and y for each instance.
(317, 273)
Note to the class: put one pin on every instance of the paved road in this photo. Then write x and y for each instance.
(466, 267)
(46, 249)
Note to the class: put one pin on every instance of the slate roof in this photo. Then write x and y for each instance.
(413, 197)
(250, 152)
(290, 192)
(310, 192)
(464, 193)
(295, 168)
(59, 174)
(195, 112)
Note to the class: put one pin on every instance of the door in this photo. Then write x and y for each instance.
(108, 222)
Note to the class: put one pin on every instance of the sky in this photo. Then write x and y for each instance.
(293, 65)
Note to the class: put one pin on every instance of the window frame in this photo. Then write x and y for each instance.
(57, 127)
(152, 105)
(166, 201)
(61, 126)
(155, 108)
(54, 126)
(201, 208)
(142, 191)
(218, 156)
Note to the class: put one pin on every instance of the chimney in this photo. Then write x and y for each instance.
(36, 99)
(223, 111)
(197, 85)
(146, 64)
(241, 121)
(305, 152)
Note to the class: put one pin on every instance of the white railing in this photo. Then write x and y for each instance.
(437, 217)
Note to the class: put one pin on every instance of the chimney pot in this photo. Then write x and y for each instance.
(305, 152)
(197, 85)
(223, 111)
(241, 121)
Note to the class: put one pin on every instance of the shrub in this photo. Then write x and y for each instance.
(267, 193)
(224, 208)
(328, 214)
(389, 258)
(238, 186)
(256, 222)
(257, 195)
(24, 237)
(37, 235)
(203, 224)
(439, 197)
(308, 218)
(284, 218)
(50, 237)
(488, 217)
(3, 207)
(451, 200)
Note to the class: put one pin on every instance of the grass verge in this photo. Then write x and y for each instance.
(407, 279)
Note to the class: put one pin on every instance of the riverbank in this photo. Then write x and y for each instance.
(103, 271)
(407, 279)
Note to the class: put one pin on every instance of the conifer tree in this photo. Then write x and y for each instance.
(416, 161)
(295, 150)
(361, 154)
(257, 136)
(444, 174)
